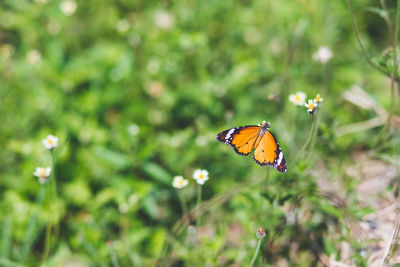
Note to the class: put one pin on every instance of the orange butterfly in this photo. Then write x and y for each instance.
(243, 139)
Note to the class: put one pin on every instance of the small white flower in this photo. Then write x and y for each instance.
(153, 66)
(323, 55)
(311, 105)
(201, 176)
(298, 98)
(123, 25)
(164, 20)
(318, 99)
(123, 208)
(43, 174)
(179, 182)
(201, 140)
(260, 233)
(33, 57)
(68, 7)
(133, 129)
(50, 142)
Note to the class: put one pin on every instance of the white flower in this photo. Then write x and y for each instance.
(201, 140)
(123, 25)
(153, 66)
(179, 182)
(298, 98)
(163, 19)
(68, 7)
(123, 208)
(318, 99)
(50, 142)
(311, 105)
(323, 55)
(43, 174)
(33, 57)
(133, 129)
(201, 176)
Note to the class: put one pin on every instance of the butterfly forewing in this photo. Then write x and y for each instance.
(242, 139)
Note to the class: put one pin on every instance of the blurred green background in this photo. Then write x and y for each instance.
(136, 92)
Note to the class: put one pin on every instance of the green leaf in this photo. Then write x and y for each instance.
(114, 158)
(158, 173)
(78, 192)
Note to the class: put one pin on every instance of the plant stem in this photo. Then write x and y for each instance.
(357, 34)
(392, 242)
(52, 224)
(114, 257)
(55, 195)
(255, 253)
(183, 203)
(198, 214)
(47, 241)
(393, 79)
(30, 232)
(310, 134)
(324, 80)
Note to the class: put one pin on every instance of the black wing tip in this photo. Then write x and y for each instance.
(221, 137)
(279, 169)
(273, 164)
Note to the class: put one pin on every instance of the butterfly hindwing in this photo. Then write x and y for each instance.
(242, 139)
(268, 152)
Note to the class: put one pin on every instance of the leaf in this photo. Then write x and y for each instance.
(381, 12)
(103, 197)
(111, 157)
(6, 237)
(78, 192)
(158, 173)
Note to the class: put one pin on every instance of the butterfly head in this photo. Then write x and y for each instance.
(264, 124)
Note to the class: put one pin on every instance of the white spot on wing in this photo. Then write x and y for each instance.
(280, 158)
(230, 133)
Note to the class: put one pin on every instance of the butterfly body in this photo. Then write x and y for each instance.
(246, 138)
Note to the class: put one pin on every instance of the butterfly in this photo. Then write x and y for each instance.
(245, 138)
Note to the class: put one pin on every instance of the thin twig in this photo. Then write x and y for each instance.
(360, 126)
(364, 51)
(393, 79)
(388, 22)
(392, 240)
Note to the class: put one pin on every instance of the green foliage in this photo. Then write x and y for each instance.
(136, 92)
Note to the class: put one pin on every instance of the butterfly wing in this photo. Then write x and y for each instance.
(242, 139)
(268, 152)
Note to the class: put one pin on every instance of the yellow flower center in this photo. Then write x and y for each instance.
(42, 173)
(201, 176)
(318, 98)
(298, 98)
(50, 141)
(311, 106)
(180, 182)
